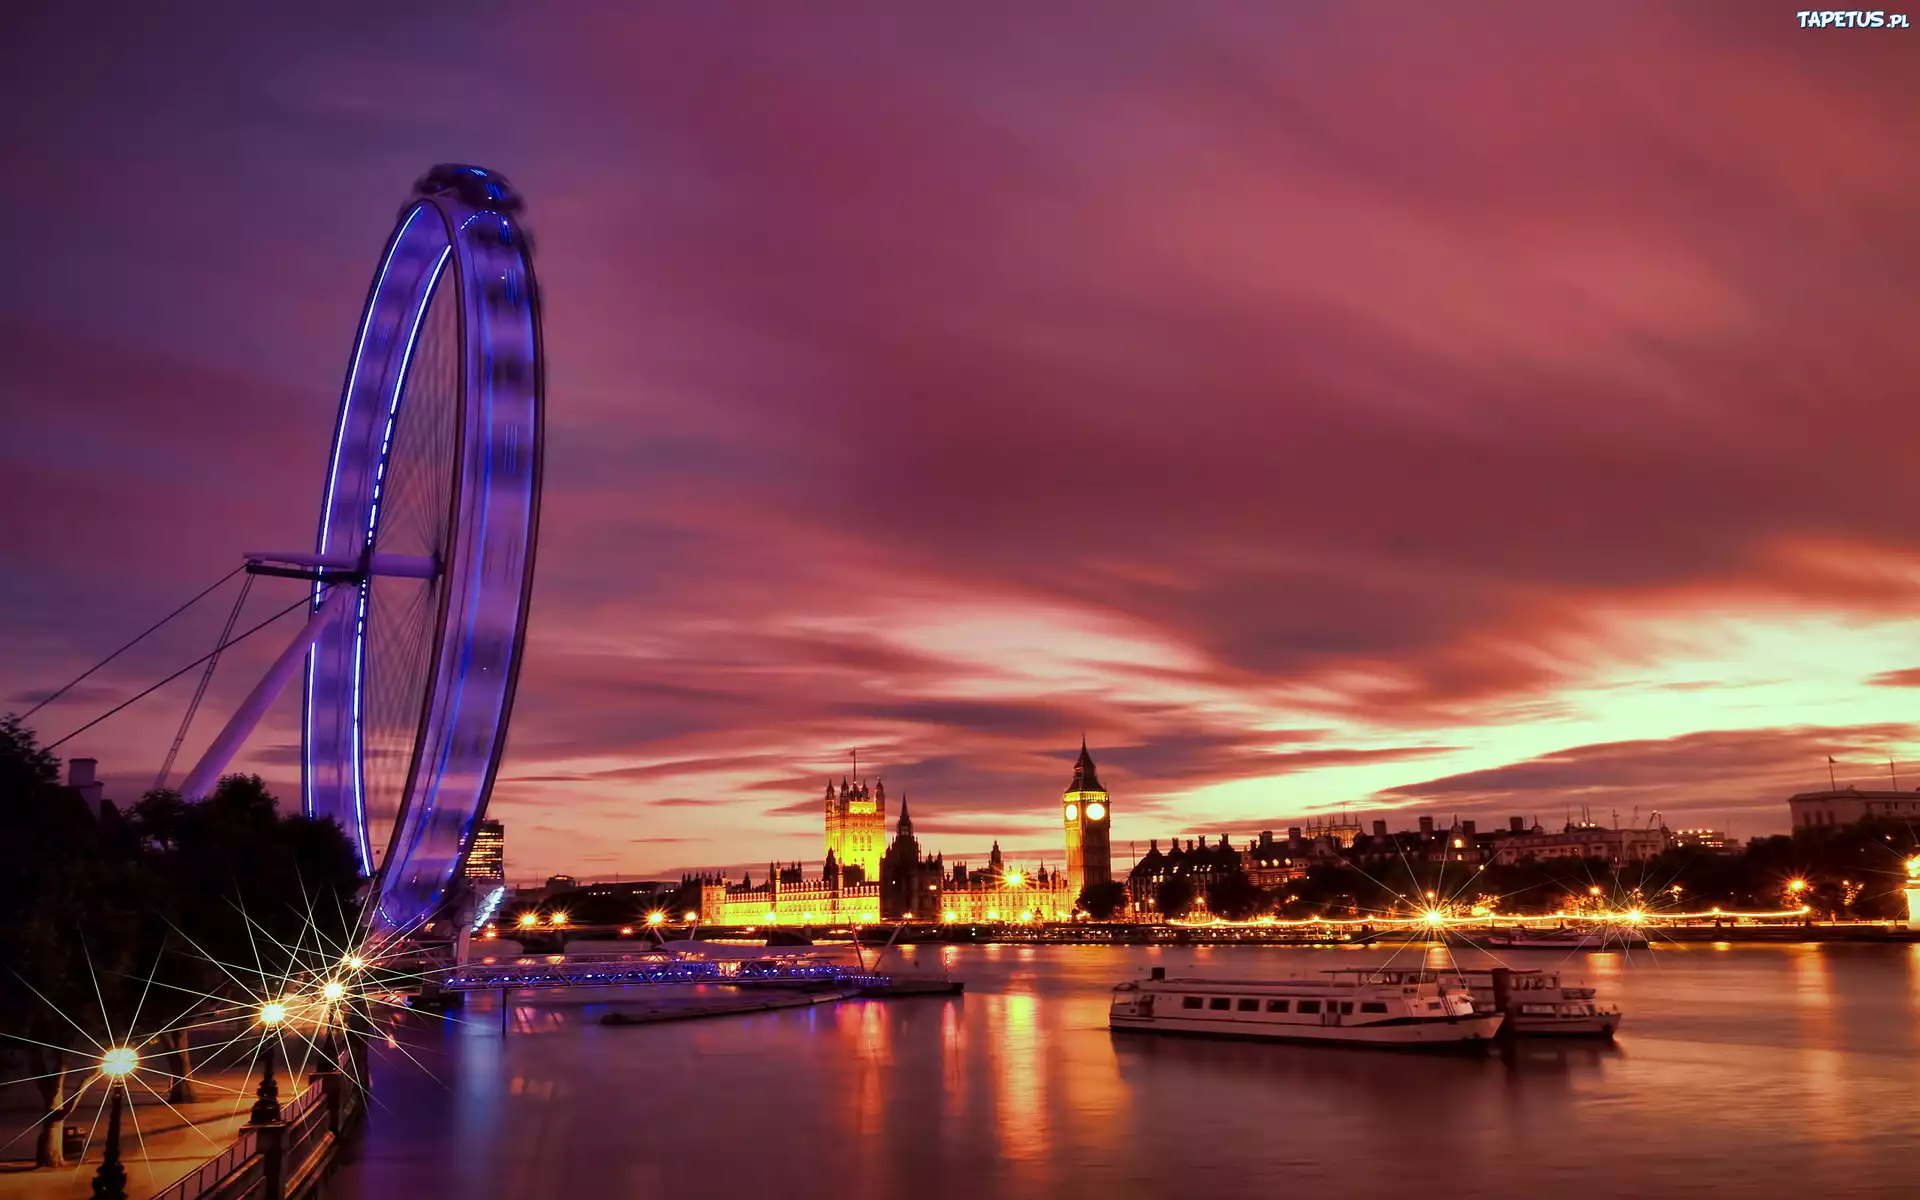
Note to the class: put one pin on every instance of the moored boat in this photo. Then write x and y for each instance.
(1535, 1003)
(1333, 1011)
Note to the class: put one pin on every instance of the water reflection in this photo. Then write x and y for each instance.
(1020, 1111)
(1769, 1071)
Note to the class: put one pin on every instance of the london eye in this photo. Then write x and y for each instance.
(422, 567)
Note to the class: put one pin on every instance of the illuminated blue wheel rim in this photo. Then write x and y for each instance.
(436, 456)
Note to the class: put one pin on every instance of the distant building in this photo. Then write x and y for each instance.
(1845, 806)
(857, 826)
(786, 898)
(1581, 840)
(80, 777)
(1269, 863)
(1343, 831)
(1704, 839)
(636, 889)
(561, 883)
(865, 879)
(909, 884)
(1085, 808)
(487, 857)
(1197, 862)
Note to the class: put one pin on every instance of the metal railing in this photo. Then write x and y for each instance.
(298, 1140)
(215, 1171)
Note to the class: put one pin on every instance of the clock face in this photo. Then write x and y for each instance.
(1073, 812)
(1096, 810)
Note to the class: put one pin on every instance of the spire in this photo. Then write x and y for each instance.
(906, 821)
(1084, 779)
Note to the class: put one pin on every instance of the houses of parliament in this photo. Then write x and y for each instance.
(867, 878)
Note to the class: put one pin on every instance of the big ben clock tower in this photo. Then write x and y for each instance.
(1089, 824)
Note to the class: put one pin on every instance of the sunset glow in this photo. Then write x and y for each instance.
(1473, 459)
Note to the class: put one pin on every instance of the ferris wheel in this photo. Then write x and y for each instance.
(423, 565)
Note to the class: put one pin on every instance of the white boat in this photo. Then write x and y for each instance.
(1341, 1012)
(1539, 1005)
(1599, 937)
(1536, 1003)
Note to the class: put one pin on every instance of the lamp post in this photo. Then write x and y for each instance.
(110, 1181)
(269, 1132)
(266, 1104)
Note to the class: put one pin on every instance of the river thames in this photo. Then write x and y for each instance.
(1762, 1070)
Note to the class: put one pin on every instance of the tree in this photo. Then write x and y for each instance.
(97, 906)
(1102, 900)
(1233, 896)
(1175, 896)
(69, 917)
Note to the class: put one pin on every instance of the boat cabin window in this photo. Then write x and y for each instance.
(1276, 1006)
(1218, 1003)
(1346, 1008)
(1189, 1002)
(1309, 1006)
(1249, 1006)
(1367, 1006)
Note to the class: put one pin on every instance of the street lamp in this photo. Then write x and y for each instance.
(119, 1062)
(110, 1181)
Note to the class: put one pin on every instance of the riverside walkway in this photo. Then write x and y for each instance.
(158, 1142)
(248, 1140)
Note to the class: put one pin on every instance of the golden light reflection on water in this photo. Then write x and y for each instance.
(864, 1038)
(1760, 1070)
(1824, 1068)
(1020, 1111)
(953, 1062)
(1812, 979)
(1085, 1074)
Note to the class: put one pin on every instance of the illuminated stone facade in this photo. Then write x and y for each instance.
(787, 898)
(1087, 814)
(864, 880)
(857, 826)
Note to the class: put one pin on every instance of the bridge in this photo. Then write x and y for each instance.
(616, 970)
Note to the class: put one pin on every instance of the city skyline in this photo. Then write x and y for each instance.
(1206, 389)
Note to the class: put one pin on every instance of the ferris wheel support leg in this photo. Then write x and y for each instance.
(207, 772)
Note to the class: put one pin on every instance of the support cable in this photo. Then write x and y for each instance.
(206, 677)
(130, 645)
(182, 671)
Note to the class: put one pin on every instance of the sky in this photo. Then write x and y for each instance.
(1466, 410)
